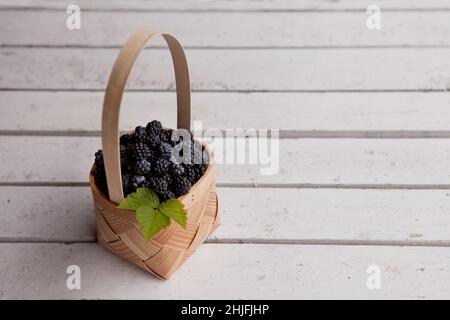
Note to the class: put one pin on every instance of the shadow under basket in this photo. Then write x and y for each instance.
(119, 231)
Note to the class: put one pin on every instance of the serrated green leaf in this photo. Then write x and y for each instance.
(151, 221)
(142, 197)
(174, 209)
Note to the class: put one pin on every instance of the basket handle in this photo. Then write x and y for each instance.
(113, 97)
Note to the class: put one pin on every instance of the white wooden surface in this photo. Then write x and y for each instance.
(211, 29)
(335, 162)
(281, 215)
(346, 69)
(352, 114)
(271, 272)
(228, 5)
(364, 154)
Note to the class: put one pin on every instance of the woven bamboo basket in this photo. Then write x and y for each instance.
(118, 229)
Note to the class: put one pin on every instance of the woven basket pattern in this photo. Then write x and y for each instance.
(119, 232)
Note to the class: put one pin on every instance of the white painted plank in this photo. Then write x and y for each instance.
(291, 112)
(216, 272)
(312, 161)
(230, 29)
(66, 214)
(224, 70)
(227, 5)
(47, 214)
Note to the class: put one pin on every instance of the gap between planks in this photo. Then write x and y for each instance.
(258, 185)
(385, 90)
(224, 10)
(213, 47)
(283, 134)
(300, 242)
(325, 30)
(237, 70)
(156, 90)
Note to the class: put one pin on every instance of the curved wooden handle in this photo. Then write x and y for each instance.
(113, 97)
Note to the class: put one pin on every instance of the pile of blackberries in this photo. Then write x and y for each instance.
(153, 157)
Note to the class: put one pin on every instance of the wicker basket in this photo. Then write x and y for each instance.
(118, 229)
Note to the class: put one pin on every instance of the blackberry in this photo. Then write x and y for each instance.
(125, 164)
(99, 158)
(125, 139)
(127, 183)
(134, 139)
(140, 151)
(161, 166)
(152, 156)
(138, 181)
(126, 167)
(100, 182)
(166, 136)
(153, 128)
(176, 169)
(200, 170)
(181, 186)
(147, 159)
(123, 154)
(190, 173)
(167, 177)
(143, 167)
(140, 131)
(100, 179)
(166, 196)
(153, 141)
(99, 172)
(157, 184)
(165, 150)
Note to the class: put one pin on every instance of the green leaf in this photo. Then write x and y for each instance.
(151, 215)
(174, 209)
(151, 221)
(142, 197)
